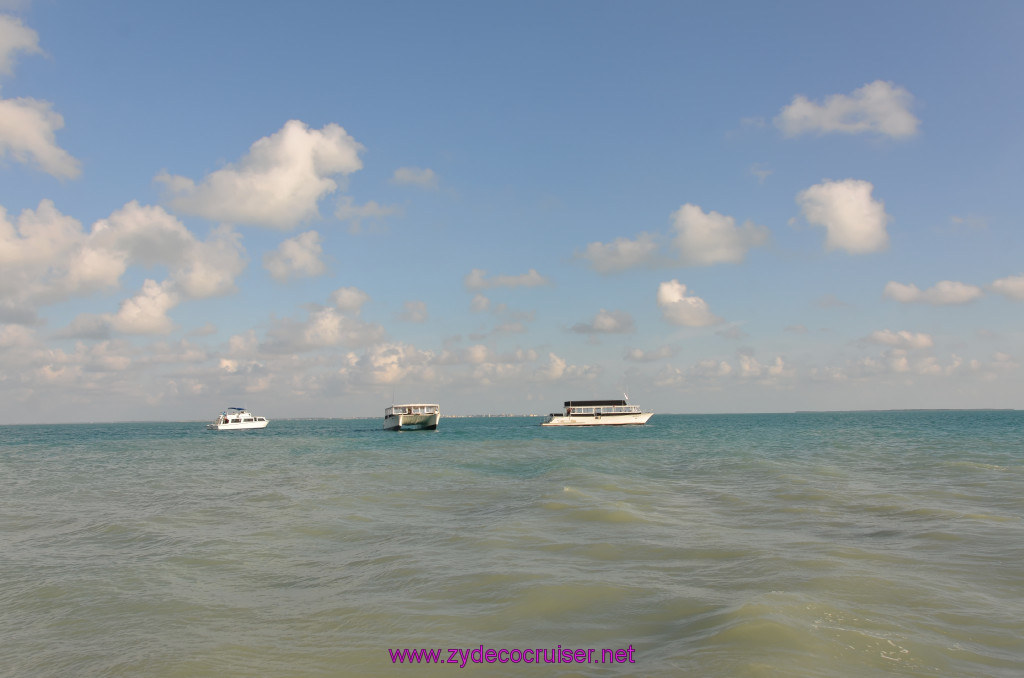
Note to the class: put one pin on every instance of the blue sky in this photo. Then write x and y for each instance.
(311, 208)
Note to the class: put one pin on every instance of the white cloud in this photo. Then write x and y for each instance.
(711, 369)
(16, 336)
(327, 327)
(146, 312)
(15, 37)
(640, 356)
(28, 134)
(606, 322)
(944, 293)
(1010, 286)
(36, 252)
(477, 280)
(621, 254)
(210, 267)
(149, 236)
(734, 332)
(355, 214)
(878, 107)
(480, 303)
(28, 126)
(761, 172)
(415, 176)
(701, 239)
(394, 363)
(902, 339)
(278, 184)
(716, 373)
(559, 368)
(86, 326)
(679, 309)
(349, 299)
(750, 368)
(414, 312)
(296, 257)
(47, 258)
(853, 220)
(706, 238)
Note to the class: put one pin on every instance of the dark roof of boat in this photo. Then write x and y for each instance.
(592, 403)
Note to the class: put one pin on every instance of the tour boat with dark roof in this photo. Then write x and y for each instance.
(598, 413)
(237, 418)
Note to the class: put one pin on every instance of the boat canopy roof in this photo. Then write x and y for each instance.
(593, 403)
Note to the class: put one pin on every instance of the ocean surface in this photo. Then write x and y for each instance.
(805, 544)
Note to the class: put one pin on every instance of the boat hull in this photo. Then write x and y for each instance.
(410, 422)
(618, 419)
(237, 427)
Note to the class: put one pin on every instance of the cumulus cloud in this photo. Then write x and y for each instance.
(393, 363)
(355, 214)
(853, 220)
(878, 107)
(480, 303)
(278, 184)
(761, 172)
(606, 322)
(16, 336)
(146, 312)
(15, 37)
(699, 238)
(325, 327)
(902, 339)
(86, 326)
(36, 253)
(715, 373)
(477, 280)
(706, 238)
(1010, 286)
(296, 257)
(679, 309)
(350, 299)
(149, 236)
(621, 254)
(47, 258)
(558, 367)
(28, 126)
(211, 266)
(415, 176)
(750, 368)
(28, 134)
(944, 293)
(414, 312)
(638, 355)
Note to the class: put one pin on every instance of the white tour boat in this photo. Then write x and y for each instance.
(598, 413)
(412, 416)
(237, 418)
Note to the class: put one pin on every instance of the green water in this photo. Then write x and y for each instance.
(832, 544)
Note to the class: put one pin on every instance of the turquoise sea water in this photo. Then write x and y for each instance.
(817, 544)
